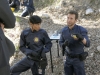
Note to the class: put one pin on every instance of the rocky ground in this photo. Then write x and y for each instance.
(53, 20)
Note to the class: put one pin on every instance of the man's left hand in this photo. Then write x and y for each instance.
(79, 37)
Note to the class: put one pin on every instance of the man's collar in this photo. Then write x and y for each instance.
(72, 27)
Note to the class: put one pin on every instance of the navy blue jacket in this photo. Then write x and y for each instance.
(28, 3)
(75, 46)
(34, 41)
(14, 3)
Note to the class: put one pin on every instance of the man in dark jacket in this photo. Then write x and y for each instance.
(73, 39)
(34, 43)
(7, 20)
(28, 7)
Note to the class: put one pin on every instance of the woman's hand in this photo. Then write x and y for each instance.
(2, 26)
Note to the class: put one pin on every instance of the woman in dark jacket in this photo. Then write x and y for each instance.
(7, 20)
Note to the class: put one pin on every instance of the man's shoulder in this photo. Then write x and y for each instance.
(26, 31)
(81, 28)
(42, 30)
(64, 28)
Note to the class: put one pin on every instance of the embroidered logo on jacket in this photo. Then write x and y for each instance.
(36, 39)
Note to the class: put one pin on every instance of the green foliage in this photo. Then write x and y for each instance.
(18, 19)
(17, 47)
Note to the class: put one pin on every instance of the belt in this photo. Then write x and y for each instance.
(33, 58)
(73, 56)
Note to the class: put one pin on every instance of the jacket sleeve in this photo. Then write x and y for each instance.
(22, 46)
(12, 3)
(30, 3)
(47, 42)
(61, 40)
(27, 3)
(84, 33)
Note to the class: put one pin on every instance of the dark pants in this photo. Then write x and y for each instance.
(27, 11)
(73, 66)
(24, 65)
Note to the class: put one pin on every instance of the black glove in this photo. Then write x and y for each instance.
(79, 36)
(66, 43)
(43, 63)
(43, 55)
(28, 52)
(34, 54)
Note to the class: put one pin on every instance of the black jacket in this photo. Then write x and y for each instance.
(6, 14)
(14, 3)
(9, 21)
(35, 41)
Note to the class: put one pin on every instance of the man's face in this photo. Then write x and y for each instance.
(35, 26)
(71, 20)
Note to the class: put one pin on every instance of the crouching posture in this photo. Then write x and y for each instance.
(14, 4)
(34, 43)
(28, 8)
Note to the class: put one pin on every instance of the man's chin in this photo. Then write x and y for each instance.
(69, 25)
(37, 29)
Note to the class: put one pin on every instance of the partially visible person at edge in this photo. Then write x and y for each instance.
(14, 4)
(72, 41)
(34, 43)
(28, 8)
(1, 25)
(7, 20)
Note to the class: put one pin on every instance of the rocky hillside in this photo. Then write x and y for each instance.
(53, 14)
(84, 7)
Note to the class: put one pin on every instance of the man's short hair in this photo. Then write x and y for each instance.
(74, 12)
(35, 19)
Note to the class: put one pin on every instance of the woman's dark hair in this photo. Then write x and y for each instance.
(73, 12)
(1, 21)
(35, 19)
